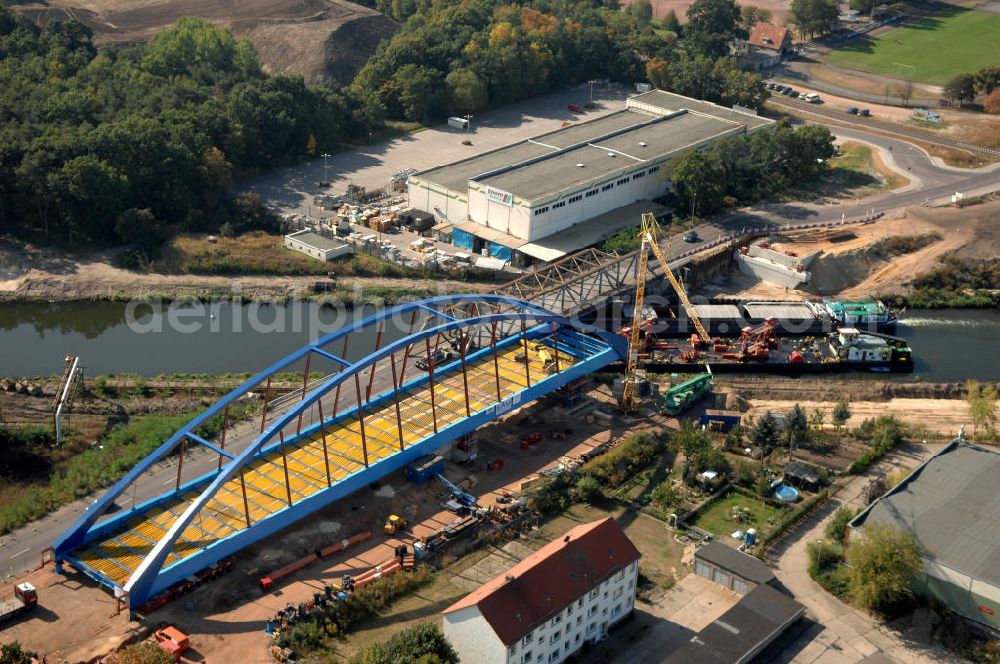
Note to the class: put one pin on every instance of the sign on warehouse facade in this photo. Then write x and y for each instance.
(500, 196)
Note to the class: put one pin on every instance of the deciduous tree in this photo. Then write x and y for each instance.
(961, 87)
(884, 561)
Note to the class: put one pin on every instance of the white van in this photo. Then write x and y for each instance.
(812, 98)
(458, 123)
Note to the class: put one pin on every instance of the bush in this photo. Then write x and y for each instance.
(883, 434)
(822, 555)
(666, 495)
(588, 489)
(837, 526)
(423, 643)
(145, 652)
(883, 561)
(634, 453)
(12, 653)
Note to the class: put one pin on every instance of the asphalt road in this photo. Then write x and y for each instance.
(872, 123)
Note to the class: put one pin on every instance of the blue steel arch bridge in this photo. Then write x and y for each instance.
(433, 370)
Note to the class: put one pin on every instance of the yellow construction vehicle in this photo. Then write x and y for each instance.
(394, 524)
(650, 242)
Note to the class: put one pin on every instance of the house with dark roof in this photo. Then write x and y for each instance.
(733, 569)
(951, 505)
(742, 632)
(546, 607)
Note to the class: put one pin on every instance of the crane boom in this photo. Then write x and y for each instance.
(649, 242)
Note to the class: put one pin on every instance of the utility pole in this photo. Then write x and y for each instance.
(694, 199)
(591, 82)
(468, 127)
(326, 167)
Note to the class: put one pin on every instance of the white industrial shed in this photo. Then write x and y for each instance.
(511, 198)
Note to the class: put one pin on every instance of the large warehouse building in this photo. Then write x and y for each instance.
(951, 505)
(550, 195)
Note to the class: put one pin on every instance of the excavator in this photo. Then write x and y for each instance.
(650, 243)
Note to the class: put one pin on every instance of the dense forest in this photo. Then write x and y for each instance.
(135, 143)
(460, 57)
(130, 143)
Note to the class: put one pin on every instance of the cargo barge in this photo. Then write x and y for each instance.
(794, 317)
(761, 350)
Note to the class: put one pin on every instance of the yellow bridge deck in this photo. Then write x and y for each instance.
(117, 556)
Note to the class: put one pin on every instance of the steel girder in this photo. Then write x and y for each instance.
(150, 576)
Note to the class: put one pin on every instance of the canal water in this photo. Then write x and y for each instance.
(229, 338)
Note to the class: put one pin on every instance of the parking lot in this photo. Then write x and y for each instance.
(291, 190)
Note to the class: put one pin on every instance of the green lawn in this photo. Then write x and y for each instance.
(952, 42)
(716, 517)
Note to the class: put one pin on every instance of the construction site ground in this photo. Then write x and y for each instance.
(76, 619)
(848, 267)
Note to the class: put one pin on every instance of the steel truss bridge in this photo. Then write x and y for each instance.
(437, 369)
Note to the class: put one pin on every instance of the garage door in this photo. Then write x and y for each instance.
(722, 578)
(740, 586)
(701, 569)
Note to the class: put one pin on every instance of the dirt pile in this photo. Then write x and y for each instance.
(320, 39)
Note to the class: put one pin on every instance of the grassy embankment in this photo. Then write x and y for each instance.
(36, 478)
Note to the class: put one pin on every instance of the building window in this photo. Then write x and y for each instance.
(577, 637)
(592, 611)
(527, 657)
(526, 640)
(640, 174)
(554, 655)
(576, 198)
(579, 620)
(566, 645)
(555, 636)
(559, 205)
(618, 592)
(653, 170)
(593, 594)
(616, 610)
(557, 620)
(579, 602)
(622, 181)
(607, 186)
(620, 575)
(542, 210)
(513, 649)
(591, 627)
(592, 192)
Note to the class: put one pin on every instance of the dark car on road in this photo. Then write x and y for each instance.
(853, 110)
(691, 236)
(864, 112)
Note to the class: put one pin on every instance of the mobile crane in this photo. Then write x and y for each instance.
(648, 234)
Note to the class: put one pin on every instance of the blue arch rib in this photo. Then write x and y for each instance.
(75, 535)
(142, 581)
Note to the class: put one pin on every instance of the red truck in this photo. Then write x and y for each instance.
(24, 600)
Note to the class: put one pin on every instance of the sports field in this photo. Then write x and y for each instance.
(930, 49)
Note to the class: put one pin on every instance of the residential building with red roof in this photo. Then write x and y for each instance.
(546, 607)
(770, 37)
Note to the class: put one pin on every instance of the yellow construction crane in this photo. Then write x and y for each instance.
(648, 234)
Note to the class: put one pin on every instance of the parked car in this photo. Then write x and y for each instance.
(785, 90)
(803, 95)
(813, 98)
(691, 236)
(864, 112)
(853, 110)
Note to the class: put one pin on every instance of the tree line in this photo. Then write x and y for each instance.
(458, 58)
(748, 167)
(130, 143)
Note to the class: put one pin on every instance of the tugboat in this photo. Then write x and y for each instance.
(870, 316)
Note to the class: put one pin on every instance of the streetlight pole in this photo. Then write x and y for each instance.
(591, 81)
(468, 127)
(694, 199)
(326, 167)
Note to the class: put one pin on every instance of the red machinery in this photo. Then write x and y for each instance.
(756, 342)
